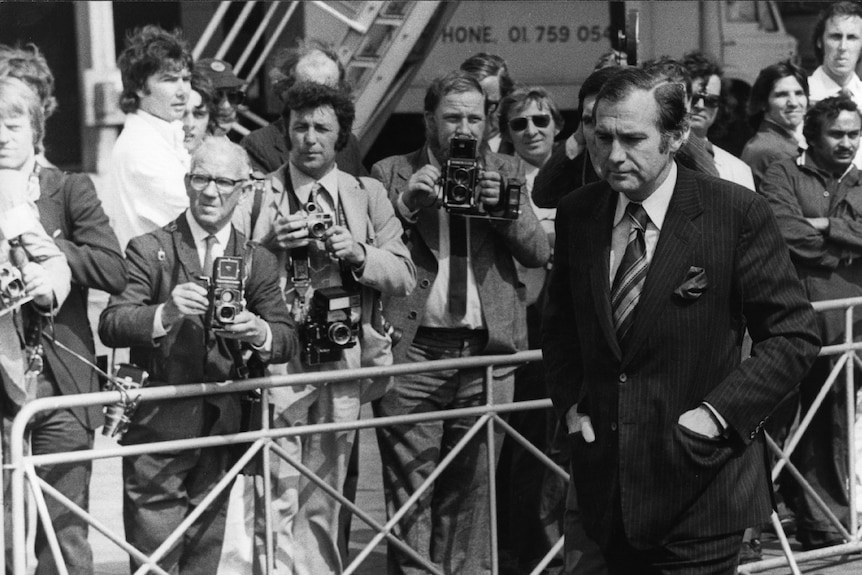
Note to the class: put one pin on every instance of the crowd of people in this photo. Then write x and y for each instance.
(667, 281)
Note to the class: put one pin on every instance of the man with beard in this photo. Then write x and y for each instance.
(817, 199)
(468, 302)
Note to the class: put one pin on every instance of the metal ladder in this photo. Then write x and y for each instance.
(380, 49)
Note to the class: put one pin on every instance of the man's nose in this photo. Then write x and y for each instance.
(616, 155)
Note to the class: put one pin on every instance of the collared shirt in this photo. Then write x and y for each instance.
(303, 183)
(656, 208)
(821, 86)
(146, 188)
(731, 168)
(436, 307)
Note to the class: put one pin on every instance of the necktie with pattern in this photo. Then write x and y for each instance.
(629, 281)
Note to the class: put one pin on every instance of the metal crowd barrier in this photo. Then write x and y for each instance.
(847, 359)
(23, 466)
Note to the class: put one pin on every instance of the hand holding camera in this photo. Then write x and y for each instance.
(469, 190)
(422, 188)
(246, 327)
(37, 284)
(189, 298)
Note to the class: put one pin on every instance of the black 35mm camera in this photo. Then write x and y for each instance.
(226, 294)
(331, 326)
(460, 178)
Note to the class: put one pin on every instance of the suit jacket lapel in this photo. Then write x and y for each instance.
(184, 244)
(355, 205)
(427, 222)
(599, 235)
(671, 256)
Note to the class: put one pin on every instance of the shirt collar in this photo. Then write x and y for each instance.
(831, 87)
(804, 161)
(656, 204)
(302, 183)
(172, 132)
(200, 235)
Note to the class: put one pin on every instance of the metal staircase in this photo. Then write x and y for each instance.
(381, 44)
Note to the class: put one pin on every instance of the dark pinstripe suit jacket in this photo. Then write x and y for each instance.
(683, 350)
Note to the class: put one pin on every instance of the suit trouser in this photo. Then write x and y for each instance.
(56, 432)
(161, 489)
(449, 524)
(306, 518)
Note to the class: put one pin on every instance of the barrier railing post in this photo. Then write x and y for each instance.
(492, 469)
(850, 414)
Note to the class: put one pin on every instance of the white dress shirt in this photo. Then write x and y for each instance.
(146, 188)
(436, 307)
(656, 208)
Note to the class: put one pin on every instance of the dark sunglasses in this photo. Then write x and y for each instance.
(709, 100)
(234, 97)
(520, 124)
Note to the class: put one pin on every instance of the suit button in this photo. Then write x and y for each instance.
(623, 378)
(614, 426)
(425, 283)
(412, 315)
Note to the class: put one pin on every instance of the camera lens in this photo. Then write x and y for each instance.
(316, 229)
(459, 194)
(227, 296)
(339, 333)
(461, 176)
(226, 314)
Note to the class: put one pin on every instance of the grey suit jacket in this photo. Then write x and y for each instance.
(494, 247)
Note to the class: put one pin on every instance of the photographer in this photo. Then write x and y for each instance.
(337, 238)
(163, 315)
(470, 302)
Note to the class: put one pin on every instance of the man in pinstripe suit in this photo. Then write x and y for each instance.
(668, 458)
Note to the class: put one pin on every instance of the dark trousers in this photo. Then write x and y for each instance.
(56, 432)
(161, 489)
(718, 555)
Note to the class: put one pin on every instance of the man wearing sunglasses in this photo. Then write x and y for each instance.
(705, 102)
(228, 91)
(163, 316)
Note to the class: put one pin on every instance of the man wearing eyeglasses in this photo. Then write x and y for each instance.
(163, 316)
(228, 91)
(705, 102)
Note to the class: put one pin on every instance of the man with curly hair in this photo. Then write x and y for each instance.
(149, 162)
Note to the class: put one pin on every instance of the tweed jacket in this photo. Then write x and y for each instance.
(189, 353)
(495, 246)
(71, 213)
(720, 266)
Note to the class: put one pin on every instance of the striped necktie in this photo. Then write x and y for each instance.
(629, 281)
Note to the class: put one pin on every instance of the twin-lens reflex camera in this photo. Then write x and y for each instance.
(461, 177)
(225, 289)
(331, 325)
